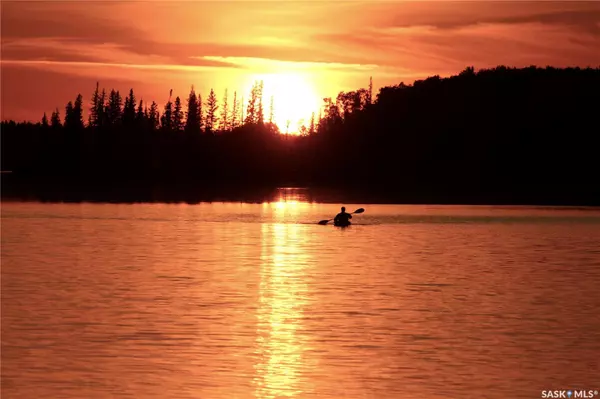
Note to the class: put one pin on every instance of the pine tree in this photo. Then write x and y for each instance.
(224, 113)
(178, 116)
(93, 119)
(68, 123)
(146, 115)
(139, 116)
(193, 122)
(115, 108)
(129, 109)
(272, 110)
(234, 111)
(251, 116)
(302, 130)
(101, 110)
(77, 116)
(260, 115)
(319, 120)
(211, 113)
(153, 116)
(370, 92)
(45, 121)
(200, 114)
(55, 119)
(242, 111)
(74, 114)
(311, 129)
(166, 121)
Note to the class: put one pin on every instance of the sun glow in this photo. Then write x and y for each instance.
(294, 97)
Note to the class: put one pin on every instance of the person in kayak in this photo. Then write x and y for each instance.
(342, 218)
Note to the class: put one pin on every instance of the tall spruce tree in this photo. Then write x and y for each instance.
(68, 122)
(93, 120)
(101, 110)
(272, 111)
(45, 121)
(234, 111)
(129, 109)
(166, 120)
(178, 123)
(210, 123)
(139, 116)
(115, 108)
(224, 126)
(251, 114)
(55, 119)
(193, 123)
(153, 116)
(260, 115)
(78, 112)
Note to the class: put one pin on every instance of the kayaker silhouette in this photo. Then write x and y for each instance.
(342, 218)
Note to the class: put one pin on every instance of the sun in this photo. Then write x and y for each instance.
(294, 96)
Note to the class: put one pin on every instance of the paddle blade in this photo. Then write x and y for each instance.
(359, 210)
(323, 222)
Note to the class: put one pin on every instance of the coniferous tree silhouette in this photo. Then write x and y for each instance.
(166, 120)
(251, 110)
(193, 123)
(140, 115)
(178, 124)
(225, 122)
(235, 111)
(242, 119)
(78, 112)
(69, 115)
(129, 111)
(101, 110)
(211, 113)
(302, 130)
(95, 111)
(272, 111)
(45, 121)
(55, 119)
(320, 115)
(153, 116)
(114, 108)
(260, 116)
(74, 114)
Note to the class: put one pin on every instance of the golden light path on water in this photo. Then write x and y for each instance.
(282, 302)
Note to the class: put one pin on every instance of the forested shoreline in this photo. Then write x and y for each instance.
(501, 135)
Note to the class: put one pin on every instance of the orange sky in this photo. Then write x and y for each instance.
(53, 50)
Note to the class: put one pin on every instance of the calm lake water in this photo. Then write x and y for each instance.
(229, 300)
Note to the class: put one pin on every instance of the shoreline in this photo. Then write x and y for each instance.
(189, 191)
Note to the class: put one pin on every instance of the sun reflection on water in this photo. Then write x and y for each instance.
(282, 299)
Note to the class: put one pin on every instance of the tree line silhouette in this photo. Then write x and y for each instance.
(500, 135)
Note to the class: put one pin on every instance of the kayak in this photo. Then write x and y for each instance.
(342, 224)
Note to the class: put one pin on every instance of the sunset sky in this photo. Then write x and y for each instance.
(304, 51)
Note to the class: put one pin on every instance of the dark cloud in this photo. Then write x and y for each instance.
(40, 53)
(30, 20)
(579, 16)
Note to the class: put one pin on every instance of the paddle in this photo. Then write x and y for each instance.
(324, 222)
